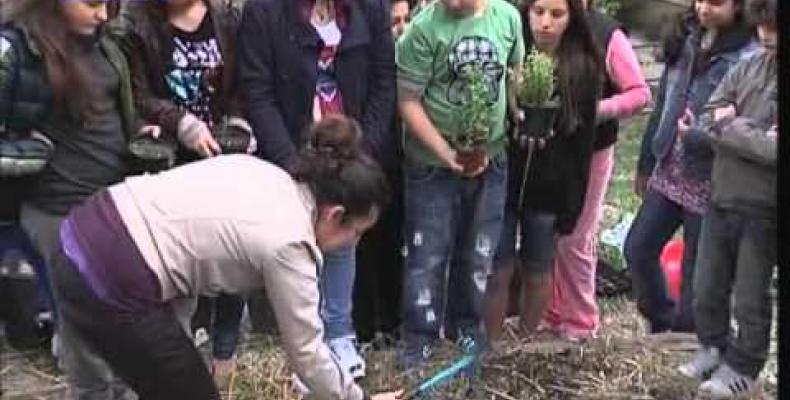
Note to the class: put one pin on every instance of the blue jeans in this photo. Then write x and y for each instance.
(535, 232)
(337, 285)
(656, 222)
(450, 222)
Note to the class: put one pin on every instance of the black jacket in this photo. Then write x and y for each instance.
(278, 58)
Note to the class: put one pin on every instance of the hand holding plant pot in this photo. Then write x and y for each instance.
(470, 143)
(536, 98)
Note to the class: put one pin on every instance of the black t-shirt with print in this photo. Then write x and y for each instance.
(194, 72)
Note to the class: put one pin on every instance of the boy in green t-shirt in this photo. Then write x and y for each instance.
(453, 211)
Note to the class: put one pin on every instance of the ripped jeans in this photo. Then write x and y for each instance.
(450, 222)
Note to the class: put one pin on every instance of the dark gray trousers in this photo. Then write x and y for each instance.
(735, 263)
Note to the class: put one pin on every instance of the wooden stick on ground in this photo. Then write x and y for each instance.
(498, 393)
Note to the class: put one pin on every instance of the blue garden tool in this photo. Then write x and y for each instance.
(464, 366)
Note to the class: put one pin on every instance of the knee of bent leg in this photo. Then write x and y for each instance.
(634, 247)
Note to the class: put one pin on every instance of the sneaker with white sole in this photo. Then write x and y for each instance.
(704, 362)
(726, 383)
(345, 349)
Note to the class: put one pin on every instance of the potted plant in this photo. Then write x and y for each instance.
(536, 96)
(475, 125)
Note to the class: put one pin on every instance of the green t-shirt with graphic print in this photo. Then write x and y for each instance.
(432, 55)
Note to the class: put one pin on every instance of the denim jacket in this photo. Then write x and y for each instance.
(682, 86)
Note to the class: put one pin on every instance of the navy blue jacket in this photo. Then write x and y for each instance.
(278, 68)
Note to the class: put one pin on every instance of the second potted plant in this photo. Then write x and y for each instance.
(536, 96)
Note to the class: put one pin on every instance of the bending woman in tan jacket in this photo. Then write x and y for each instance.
(227, 224)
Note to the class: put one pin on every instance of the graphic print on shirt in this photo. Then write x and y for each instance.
(195, 75)
(466, 53)
(327, 91)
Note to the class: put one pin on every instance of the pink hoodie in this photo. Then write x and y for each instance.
(622, 66)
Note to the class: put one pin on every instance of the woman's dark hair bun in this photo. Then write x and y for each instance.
(335, 136)
(338, 170)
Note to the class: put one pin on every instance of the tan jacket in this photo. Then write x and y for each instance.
(233, 224)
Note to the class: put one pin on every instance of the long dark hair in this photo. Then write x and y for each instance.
(68, 76)
(337, 169)
(580, 69)
(682, 24)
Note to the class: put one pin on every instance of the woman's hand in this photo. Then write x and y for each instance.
(534, 142)
(387, 396)
(153, 131)
(196, 135)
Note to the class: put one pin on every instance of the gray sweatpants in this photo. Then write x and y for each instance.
(88, 376)
(736, 257)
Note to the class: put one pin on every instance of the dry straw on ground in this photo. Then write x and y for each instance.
(622, 363)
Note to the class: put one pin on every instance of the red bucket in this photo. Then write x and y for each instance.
(672, 265)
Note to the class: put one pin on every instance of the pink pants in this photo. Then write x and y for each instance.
(572, 309)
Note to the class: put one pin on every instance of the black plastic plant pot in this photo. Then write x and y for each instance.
(538, 120)
(231, 139)
(151, 155)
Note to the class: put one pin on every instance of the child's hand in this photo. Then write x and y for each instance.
(448, 159)
(479, 170)
(724, 112)
(685, 123)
